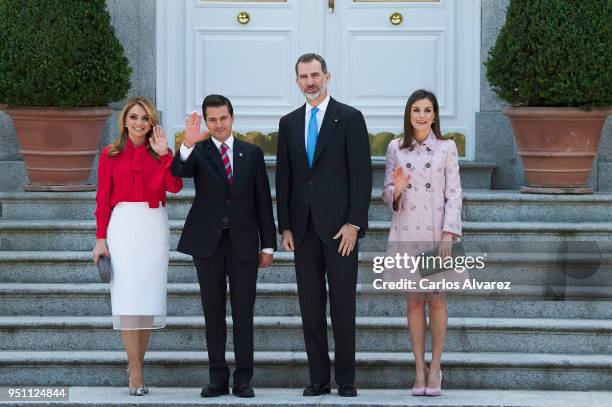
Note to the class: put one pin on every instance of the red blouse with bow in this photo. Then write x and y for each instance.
(132, 176)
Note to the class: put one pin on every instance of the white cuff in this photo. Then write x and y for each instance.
(268, 250)
(185, 151)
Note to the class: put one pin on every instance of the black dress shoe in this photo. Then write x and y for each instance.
(316, 389)
(244, 391)
(215, 391)
(347, 390)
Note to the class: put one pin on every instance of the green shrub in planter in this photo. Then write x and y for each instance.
(60, 53)
(554, 53)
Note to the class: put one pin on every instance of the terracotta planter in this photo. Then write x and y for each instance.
(557, 146)
(58, 145)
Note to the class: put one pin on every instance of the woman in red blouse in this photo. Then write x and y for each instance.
(133, 230)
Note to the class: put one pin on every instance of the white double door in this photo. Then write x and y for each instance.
(247, 52)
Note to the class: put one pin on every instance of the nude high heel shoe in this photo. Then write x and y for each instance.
(420, 391)
(434, 391)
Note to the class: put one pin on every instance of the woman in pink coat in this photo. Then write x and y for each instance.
(422, 187)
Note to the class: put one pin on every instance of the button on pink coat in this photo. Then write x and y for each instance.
(431, 204)
(433, 196)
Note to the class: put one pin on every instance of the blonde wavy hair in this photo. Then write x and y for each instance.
(120, 142)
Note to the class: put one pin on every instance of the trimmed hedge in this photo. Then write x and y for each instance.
(554, 53)
(60, 53)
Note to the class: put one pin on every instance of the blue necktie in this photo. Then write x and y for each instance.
(313, 134)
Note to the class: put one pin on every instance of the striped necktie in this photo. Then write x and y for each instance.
(226, 162)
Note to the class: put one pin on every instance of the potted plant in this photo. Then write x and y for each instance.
(552, 62)
(60, 66)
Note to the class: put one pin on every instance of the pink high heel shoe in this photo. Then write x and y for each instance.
(420, 391)
(434, 391)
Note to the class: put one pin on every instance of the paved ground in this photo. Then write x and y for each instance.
(99, 396)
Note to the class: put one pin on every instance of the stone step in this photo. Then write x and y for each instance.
(281, 300)
(478, 205)
(494, 370)
(474, 174)
(283, 397)
(77, 267)
(374, 334)
(82, 205)
(63, 235)
(512, 206)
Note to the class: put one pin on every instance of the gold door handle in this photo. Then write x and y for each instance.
(243, 17)
(396, 18)
(331, 5)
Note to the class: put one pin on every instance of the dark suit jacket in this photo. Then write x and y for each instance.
(337, 189)
(247, 203)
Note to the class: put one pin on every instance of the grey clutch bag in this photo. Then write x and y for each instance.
(433, 264)
(104, 269)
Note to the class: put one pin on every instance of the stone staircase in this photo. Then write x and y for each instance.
(55, 326)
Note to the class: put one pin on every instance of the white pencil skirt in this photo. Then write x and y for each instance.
(138, 240)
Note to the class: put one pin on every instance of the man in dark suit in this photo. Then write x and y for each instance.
(323, 187)
(230, 219)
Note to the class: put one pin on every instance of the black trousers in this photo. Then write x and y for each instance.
(212, 276)
(313, 260)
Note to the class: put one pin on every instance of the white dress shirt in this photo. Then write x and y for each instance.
(185, 152)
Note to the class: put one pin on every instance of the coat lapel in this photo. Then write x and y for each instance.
(215, 158)
(301, 142)
(239, 156)
(330, 122)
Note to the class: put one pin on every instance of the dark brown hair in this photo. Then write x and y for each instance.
(311, 57)
(216, 101)
(408, 129)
